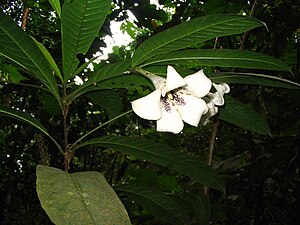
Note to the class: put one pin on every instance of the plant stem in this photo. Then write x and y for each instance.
(212, 142)
(25, 16)
(68, 153)
(246, 34)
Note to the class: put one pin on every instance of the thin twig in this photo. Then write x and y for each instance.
(246, 34)
(212, 142)
(25, 18)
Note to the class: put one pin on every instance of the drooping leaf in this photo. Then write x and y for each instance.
(22, 116)
(222, 58)
(163, 155)
(191, 33)
(49, 58)
(109, 100)
(25, 117)
(157, 203)
(18, 46)
(239, 114)
(56, 6)
(81, 22)
(253, 78)
(78, 198)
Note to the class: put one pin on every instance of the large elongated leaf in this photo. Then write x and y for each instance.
(104, 73)
(222, 58)
(239, 114)
(253, 78)
(157, 203)
(225, 77)
(78, 198)
(18, 46)
(25, 117)
(81, 22)
(191, 33)
(163, 155)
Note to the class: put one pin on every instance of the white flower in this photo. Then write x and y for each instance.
(213, 99)
(175, 100)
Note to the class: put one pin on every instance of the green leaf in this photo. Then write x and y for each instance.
(109, 71)
(49, 104)
(222, 58)
(78, 198)
(81, 22)
(201, 208)
(157, 203)
(253, 78)
(49, 58)
(13, 74)
(109, 100)
(105, 73)
(191, 33)
(24, 117)
(239, 114)
(18, 46)
(56, 6)
(163, 155)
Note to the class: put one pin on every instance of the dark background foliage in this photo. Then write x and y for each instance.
(261, 173)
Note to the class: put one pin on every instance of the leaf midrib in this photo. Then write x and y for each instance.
(145, 56)
(36, 65)
(81, 197)
(206, 58)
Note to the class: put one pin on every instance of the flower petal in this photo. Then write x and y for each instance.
(198, 84)
(174, 80)
(222, 88)
(217, 97)
(148, 107)
(170, 121)
(212, 110)
(158, 82)
(192, 110)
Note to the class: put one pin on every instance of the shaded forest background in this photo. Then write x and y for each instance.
(261, 172)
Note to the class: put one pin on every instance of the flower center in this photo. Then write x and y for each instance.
(173, 98)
